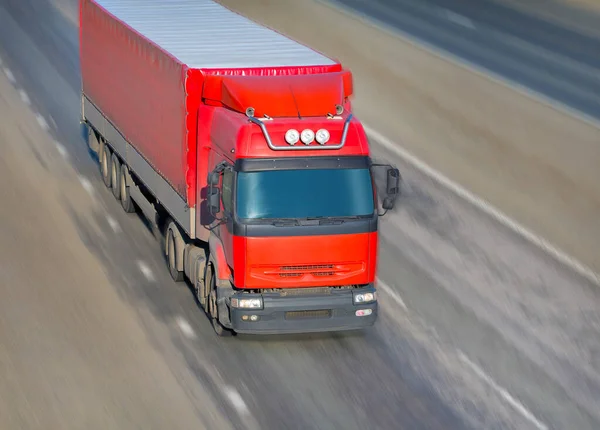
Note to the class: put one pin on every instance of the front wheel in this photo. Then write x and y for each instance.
(211, 304)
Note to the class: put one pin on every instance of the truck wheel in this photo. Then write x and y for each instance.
(171, 253)
(126, 201)
(211, 304)
(105, 164)
(115, 176)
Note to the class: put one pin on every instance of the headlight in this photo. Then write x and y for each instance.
(322, 136)
(254, 303)
(292, 136)
(364, 298)
(307, 136)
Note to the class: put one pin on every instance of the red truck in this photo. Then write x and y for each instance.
(239, 146)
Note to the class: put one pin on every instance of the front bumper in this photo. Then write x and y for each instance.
(304, 311)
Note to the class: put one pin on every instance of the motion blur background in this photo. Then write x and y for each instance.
(483, 325)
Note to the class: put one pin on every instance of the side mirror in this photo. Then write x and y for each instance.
(214, 200)
(388, 203)
(393, 182)
(392, 186)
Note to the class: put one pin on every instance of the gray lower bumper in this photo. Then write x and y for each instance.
(304, 313)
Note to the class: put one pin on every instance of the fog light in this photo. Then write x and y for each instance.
(244, 317)
(364, 297)
(363, 312)
(254, 303)
(253, 317)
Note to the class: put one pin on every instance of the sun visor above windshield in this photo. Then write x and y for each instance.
(280, 96)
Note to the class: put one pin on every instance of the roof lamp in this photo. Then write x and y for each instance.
(292, 136)
(322, 136)
(307, 136)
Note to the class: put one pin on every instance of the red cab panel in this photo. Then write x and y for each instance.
(304, 261)
(281, 96)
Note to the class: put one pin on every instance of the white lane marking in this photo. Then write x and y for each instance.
(53, 122)
(185, 327)
(518, 406)
(389, 291)
(236, 400)
(146, 271)
(485, 207)
(24, 97)
(459, 19)
(42, 122)
(113, 224)
(87, 185)
(9, 74)
(61, 149)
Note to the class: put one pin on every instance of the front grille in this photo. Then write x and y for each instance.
(307, 267)
(289, 275)
(293, 273)
(312, 269)
(303, 315)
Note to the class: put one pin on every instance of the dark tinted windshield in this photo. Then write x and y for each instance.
(304, 193)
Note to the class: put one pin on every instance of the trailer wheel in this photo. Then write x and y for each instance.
(171, 254)
(211, 304)
(115, 176)
(105, 163)
(126, 201)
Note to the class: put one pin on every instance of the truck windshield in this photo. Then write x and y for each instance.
(305, 193)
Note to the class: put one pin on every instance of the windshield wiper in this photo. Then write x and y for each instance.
(333, 219)
(279, 222)
(282, 222)
(321, 220)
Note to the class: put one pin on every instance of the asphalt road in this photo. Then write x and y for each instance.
(555, 61)
(478, 328)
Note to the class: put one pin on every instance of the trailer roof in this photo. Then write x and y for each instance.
(206, 35)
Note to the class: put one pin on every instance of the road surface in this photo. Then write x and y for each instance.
(558, 62)
(478, 328)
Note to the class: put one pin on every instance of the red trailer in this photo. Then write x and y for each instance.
(239, 145)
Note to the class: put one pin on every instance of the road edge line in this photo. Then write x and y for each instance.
(485, 207)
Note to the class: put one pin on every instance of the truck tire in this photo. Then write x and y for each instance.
(92, 138)
(126, 201)
(171, 253)
(115, 176)
(211, 307)
(105, 163)
(194, 267)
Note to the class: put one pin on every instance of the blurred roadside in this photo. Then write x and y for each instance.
(73, 354)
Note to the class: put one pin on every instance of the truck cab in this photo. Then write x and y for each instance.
(292, 207)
